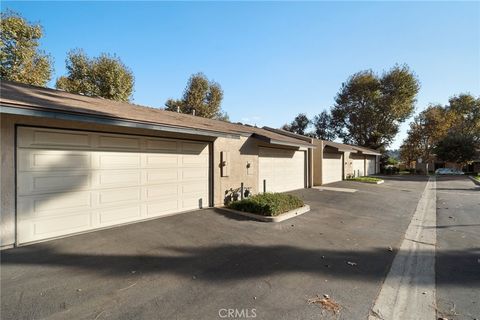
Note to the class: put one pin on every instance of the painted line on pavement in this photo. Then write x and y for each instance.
(409, 288)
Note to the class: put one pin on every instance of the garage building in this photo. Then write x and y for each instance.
(72, 164)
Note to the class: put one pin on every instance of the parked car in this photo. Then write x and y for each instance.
(448, 171)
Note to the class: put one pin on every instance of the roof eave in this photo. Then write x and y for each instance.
(300, 144)
(83, 117)
(289, 134)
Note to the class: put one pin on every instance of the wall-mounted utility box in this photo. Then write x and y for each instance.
(250, 170)
(224, 163)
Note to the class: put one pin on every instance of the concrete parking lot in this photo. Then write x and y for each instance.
(196, 265)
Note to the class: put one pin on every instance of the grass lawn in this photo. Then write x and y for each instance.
(366, 179)
(267, 204)
(477, 177)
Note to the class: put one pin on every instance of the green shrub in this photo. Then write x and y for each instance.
(365, 179)
(268, 204)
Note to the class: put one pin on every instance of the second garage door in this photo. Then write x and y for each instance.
(283, 170)
(332, 167)
(358, 165)
(371, 165)
(74, 181)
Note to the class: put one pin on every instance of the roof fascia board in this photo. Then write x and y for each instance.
(281, 143)
(340, 149)
(292, 144)
(111, 121)
(289, 134)
(372, 153)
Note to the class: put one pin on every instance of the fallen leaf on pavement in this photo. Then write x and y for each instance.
(326, 303)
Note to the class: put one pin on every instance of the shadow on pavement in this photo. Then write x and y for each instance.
(238, 262)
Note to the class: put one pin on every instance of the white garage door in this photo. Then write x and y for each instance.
(74, 181)
(283, 170)
(332, 167)
(358, 164)
(371, 165)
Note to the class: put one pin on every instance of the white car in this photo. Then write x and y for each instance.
(448, 171)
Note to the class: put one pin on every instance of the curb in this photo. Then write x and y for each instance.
(474, 180)
(284, 216)
(377, 182)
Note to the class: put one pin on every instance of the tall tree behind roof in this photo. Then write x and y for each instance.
(202, 96)
(369, 107)
(20, 56)
(105, 76)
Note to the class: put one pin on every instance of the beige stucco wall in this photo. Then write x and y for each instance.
(317, 162)
(241, 151)
(7, 181)
(347, 165)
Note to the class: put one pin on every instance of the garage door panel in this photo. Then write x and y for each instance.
(119, 195)
(53, 204)
(168, 191)
(161, 208)
(162, 176)
(34, 137)
(194, 202)
(195, 160)
(113, 160)
(56, 226)
(41, 160)
(117, 178)
(194, 188)
(112, 216)
(162, 146)
(161, 161)
(193, 148)
(117, 142)
(114, 179)
(193, 174)
(46, 182)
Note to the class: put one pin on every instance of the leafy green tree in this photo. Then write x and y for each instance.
(465, 111)
(369, 108)
(299, 125)
(456, 148)
(202, 96)
(105, 76)
(459, 119)
(410, 150)
(392, 161)
(429, 127)
(323, 126)
(21, 59)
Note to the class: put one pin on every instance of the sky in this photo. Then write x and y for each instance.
(272, 59)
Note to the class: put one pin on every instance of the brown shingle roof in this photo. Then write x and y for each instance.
(38, 98)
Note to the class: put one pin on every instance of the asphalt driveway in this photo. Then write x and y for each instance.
(197, 264)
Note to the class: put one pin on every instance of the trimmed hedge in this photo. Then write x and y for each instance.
(268, 204)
